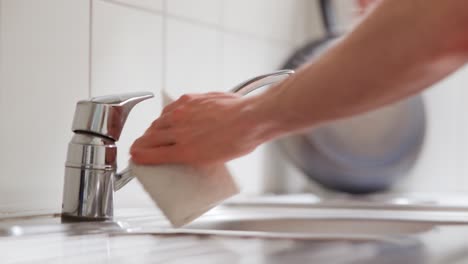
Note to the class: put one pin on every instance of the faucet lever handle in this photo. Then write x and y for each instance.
(122, 99)
(106, 115)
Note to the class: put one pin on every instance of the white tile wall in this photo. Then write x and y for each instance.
(193, 55)
(207, 11)
(44, 72)
(273, 19)
(50, 53)
(463, 131)
(2, 65)
(153, 5)
(54, 53)
(127, 57)
(442, 166)
(244, 57)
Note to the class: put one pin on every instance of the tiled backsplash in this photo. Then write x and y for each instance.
(55, 52)
(44, 53)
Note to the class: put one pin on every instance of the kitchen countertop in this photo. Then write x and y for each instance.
(445, 245)
(100, 248)
(195, 249)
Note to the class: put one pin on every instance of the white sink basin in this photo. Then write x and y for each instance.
(270, 222)
(333, 227)
(308, 223)
(147, 236)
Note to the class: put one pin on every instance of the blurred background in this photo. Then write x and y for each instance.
(56, 52)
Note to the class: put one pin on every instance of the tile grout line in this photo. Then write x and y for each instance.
(164, 47)
(229, 31)
(212, 26)
(221, 46)
(461, 149)
(1, 54)
(136, 7)
(90, 49)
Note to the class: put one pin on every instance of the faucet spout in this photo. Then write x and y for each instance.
(122, 178)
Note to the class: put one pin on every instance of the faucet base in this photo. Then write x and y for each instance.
(74, 219)
(88, 194)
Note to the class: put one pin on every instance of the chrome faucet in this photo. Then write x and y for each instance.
(91, 168)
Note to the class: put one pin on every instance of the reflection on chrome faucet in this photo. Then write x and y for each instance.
(91, 169)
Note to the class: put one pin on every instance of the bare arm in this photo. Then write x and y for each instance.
(401, 48)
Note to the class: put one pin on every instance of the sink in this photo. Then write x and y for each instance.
(248, 221)
(317, 223)
(147, 236)
(317, 227)
(382, 201)
(305, 223)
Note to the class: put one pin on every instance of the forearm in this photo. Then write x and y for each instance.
(400, 49)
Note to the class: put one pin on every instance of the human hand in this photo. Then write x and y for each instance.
(201, 129)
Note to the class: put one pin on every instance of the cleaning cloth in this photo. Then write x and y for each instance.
(182, 192)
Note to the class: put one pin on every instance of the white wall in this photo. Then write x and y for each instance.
(55, 52)
(44, 71)
(443, 164)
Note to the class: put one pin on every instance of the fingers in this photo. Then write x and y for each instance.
(156, 138)
(170, 119)
(173, 137)
(170, 107)
(182, 100)
(163, 122)
(158, 155)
